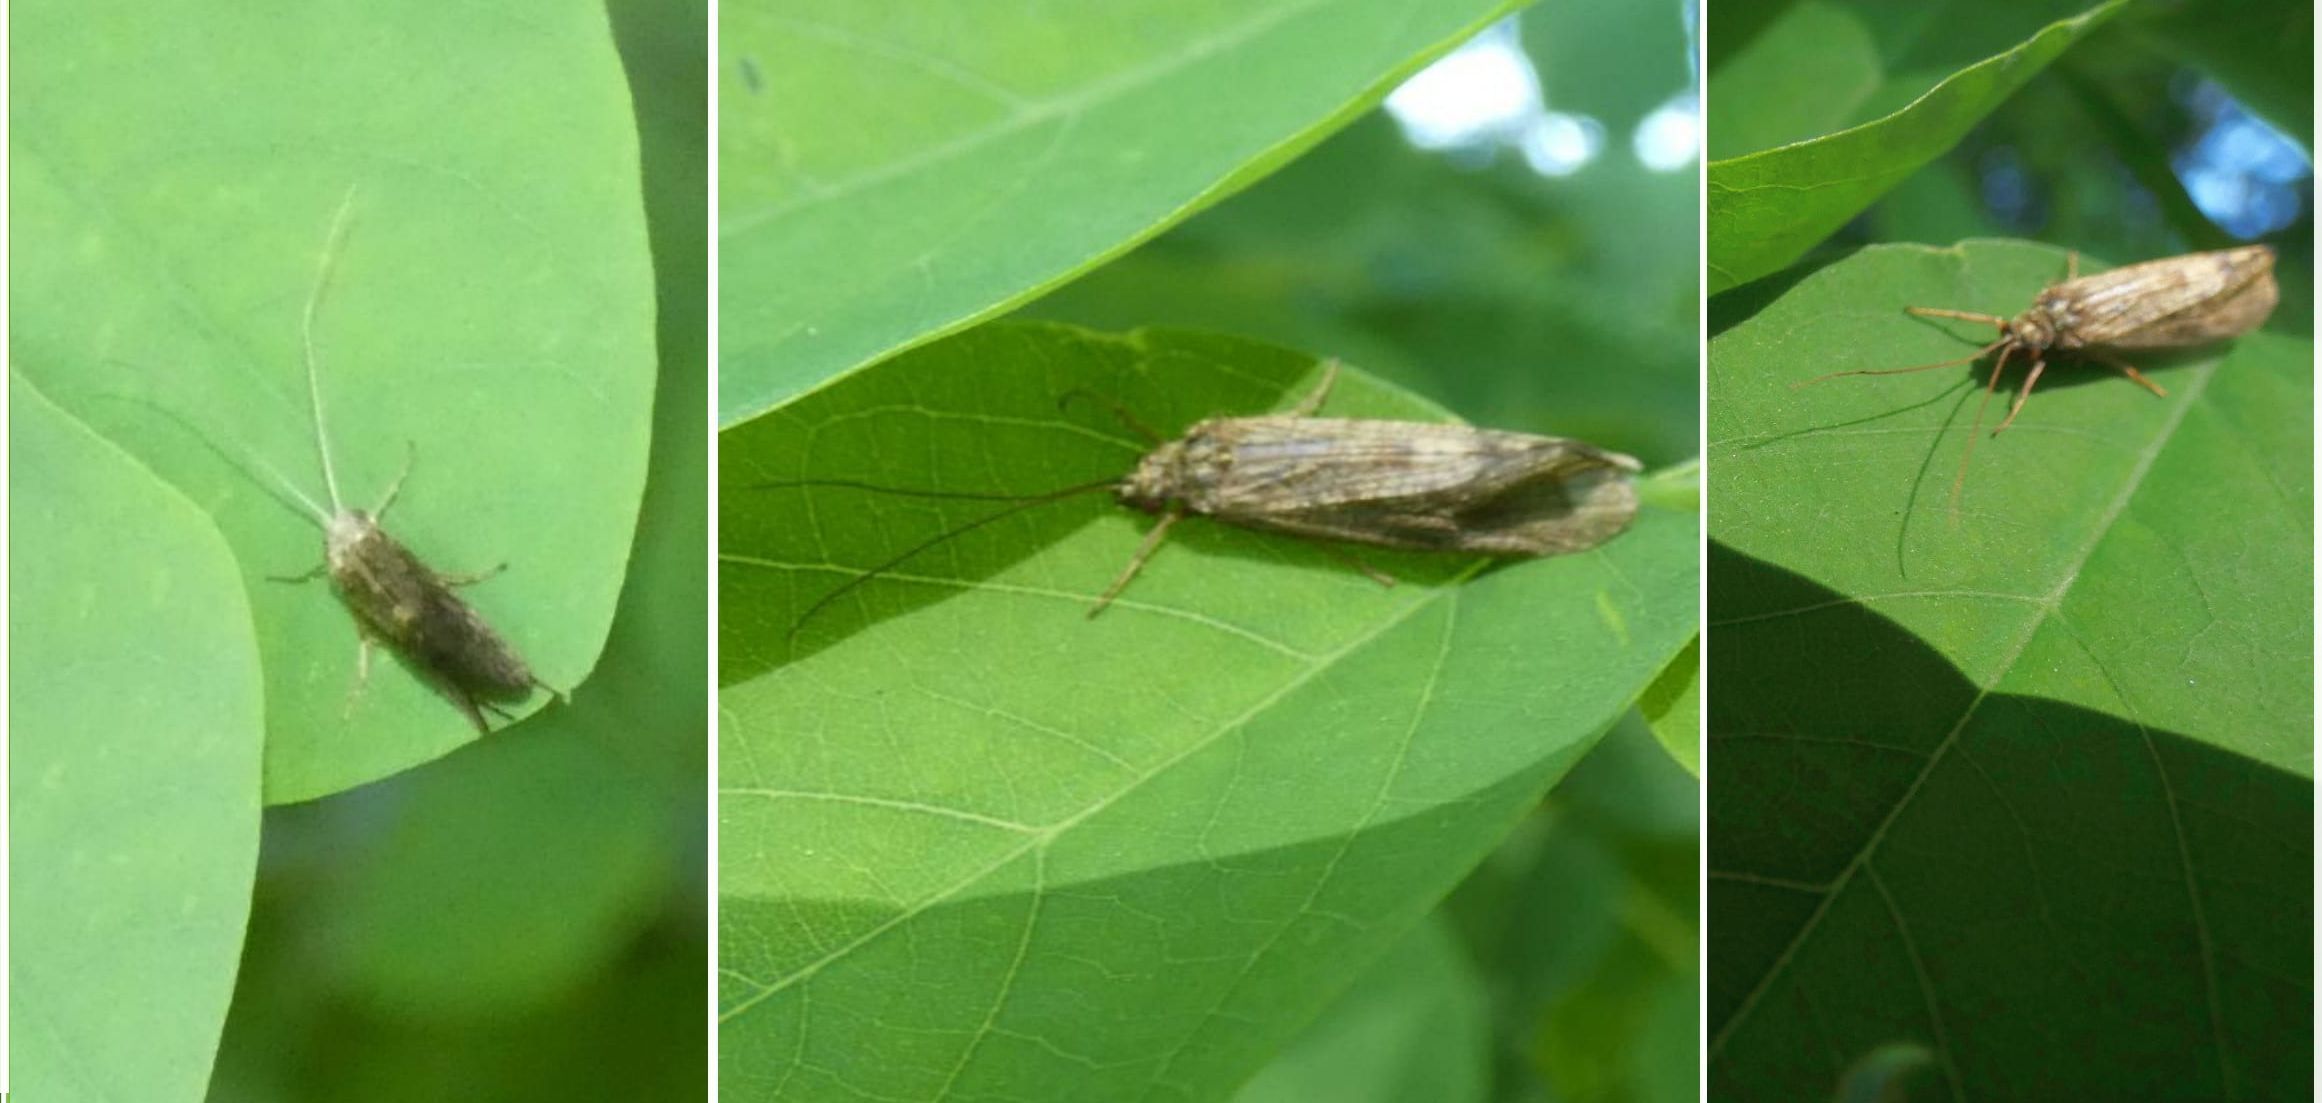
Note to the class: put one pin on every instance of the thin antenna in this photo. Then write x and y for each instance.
(281, 489)
(1969, 359)
(1021, 505)
(322, 278)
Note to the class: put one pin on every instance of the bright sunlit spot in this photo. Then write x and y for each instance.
(1670, 138)
(1485, 98)
(2242, 173)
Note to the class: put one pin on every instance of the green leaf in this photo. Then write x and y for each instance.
(1010, 847)
(1505, 294)
(134, 720)
(491, 309)
(1767, 208)
(2032, 790)
(889, 175)
(1414, 1027)
(1672, 705)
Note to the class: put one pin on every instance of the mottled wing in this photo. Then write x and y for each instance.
(414, 611)
(2173, 303)
(1420, 485)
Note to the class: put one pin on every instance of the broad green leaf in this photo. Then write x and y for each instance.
(1007, 847)
(1787, 177)
(134, 722)
(889, 174)
(1414, 1028)
(173, 173)
(2032, 789)
(1672, 705)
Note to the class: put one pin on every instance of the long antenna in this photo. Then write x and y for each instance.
(322, 278)
(281, 489)
(1021, 505)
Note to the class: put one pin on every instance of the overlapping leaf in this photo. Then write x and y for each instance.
(890, 174)
(1827, 106)
(971, 840)
(2031, 788)
(173, 173)
(135, 722)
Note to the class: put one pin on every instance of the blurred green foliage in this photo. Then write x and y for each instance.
(1519, 300)
(2082, 156)
(1559, 304)
(526, 918)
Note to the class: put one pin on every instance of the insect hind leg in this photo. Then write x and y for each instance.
(2038, 365)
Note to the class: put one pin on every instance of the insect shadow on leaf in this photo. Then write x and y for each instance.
(396, 599)
(2171, 303)
(1394, 484)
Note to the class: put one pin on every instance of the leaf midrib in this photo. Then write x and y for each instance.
(1052, 832)
(2048, 609)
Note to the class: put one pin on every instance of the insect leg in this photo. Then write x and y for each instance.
(410, 453)
(1306, 406)
(1137, 561)
(1977, 355)
(2038, 365)
(1120, 411)
(552, 691)
(319, 570)
(2072, 266)
(1963, 315)
(362, 674)
(2130, 371)
(1355, 561)
(467, 703)
(456, 580)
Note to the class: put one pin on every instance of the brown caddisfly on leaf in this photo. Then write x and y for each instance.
(1394, 484)
(2172, 303)
(397, 600)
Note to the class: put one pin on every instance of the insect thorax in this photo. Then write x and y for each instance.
(344, 538)
(1183, 471)
(2049, 322)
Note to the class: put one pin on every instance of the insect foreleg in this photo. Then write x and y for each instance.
(2038, 365)
(1137, 561)
(1308, 405)
(1120, 411)
(410, 453)
(1962, 315)
(319, 570)
(1978, 355)
(1960, 480)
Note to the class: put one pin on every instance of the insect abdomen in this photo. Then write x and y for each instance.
(414, 611)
